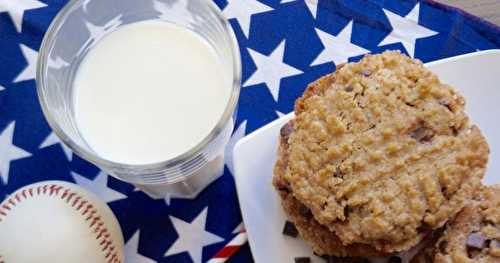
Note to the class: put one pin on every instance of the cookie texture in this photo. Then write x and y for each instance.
(474, 235)
(322, 240)
(382, 153)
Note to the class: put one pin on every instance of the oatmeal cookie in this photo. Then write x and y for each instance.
(322, 240)
(474, 235)
(383, 153)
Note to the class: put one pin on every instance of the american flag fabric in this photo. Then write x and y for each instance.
(284, 46)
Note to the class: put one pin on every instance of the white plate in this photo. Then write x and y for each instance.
(476, 75)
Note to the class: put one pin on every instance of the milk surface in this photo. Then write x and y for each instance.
(148, 92)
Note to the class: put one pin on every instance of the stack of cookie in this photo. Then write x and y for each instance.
(472, 236)
(378, 159)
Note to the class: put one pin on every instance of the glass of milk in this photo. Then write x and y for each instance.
(144, 89)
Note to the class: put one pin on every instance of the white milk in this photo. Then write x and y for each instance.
(148, 92)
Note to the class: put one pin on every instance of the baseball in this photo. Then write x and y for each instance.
(58, 222)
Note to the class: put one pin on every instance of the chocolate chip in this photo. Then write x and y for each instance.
(476, 240)
(302, 260)
(366, 72)
(473, 252)
(290, 230)
(305, 212)
(395, 259)
(349, 88)
(442, 246)
(422, 134)
(334, 259)
(338, 173)
(330, 259)
(487, 243)
(286, 130)
(409, 104)
(347, 210)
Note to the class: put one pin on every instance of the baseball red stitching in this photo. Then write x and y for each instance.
(87, 210)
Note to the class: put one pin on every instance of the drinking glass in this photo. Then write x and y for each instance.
(74, 32)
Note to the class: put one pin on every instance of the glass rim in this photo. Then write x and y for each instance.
(43, 57)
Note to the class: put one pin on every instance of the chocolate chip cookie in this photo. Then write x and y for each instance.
(473, 236)
(322, 240)
(382, 153)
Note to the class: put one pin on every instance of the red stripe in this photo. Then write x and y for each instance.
(227, 251)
